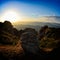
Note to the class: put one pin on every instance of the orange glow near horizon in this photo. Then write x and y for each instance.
(11, 16)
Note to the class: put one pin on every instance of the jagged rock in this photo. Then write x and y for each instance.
(8, 35)
(30, 43)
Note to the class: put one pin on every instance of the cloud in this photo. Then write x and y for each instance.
(51, 19)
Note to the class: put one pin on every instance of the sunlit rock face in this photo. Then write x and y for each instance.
(10, 51)
(30, 42)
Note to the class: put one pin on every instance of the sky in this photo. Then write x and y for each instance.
(30, 9)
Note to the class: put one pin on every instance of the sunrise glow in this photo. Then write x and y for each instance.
(10, 15)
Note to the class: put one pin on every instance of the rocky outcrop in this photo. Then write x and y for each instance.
(10, 44)
(30, 42)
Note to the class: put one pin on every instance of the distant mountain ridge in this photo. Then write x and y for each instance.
(51, 21)
(37, 25)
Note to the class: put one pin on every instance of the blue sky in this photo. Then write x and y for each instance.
(32, 8)
(35, 7)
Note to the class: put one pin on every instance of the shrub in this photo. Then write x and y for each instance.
(48, 43)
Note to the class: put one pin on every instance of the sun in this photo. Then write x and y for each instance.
(11, 16)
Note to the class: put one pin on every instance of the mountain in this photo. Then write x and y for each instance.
(51, 21)
(28, 43)
(36, 25)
